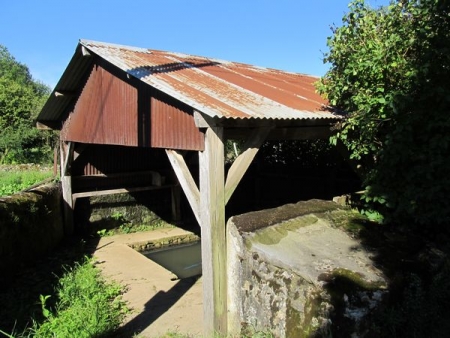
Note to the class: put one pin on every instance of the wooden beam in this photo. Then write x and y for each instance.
(243, 161)
(42, 126)
(186, 181)
(66, 156)
(68, 150)
(48, 125)
(60, 93)
(212, 212)
(85, 51)
(80, 148)
(202, 120)
(118, 191)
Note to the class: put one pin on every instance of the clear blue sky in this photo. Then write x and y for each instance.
(283, 34)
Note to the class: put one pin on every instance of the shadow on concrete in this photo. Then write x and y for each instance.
(156, 307)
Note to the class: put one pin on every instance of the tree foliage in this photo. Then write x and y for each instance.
(390, 70)
(21, 98)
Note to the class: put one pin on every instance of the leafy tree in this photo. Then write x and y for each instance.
(389, 72)
(21, 98)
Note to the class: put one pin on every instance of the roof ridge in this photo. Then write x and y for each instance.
(86, 43)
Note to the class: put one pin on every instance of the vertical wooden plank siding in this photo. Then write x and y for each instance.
(212, 214)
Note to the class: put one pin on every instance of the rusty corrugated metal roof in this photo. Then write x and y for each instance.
(217, 88)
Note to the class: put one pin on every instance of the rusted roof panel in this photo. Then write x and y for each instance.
(220, 88)
(217, 88)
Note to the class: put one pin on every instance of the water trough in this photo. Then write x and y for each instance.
(184, 260)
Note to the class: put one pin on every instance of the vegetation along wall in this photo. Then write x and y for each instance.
(30, 225)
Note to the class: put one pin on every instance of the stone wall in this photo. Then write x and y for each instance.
(109, 212)
(31, 225)
(296, 272)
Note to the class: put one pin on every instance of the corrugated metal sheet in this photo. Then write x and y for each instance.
(173, 126)
(58, 106)
(217, 88)
(105, 113)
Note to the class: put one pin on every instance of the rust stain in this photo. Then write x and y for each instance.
(216, 88)
(222, 88)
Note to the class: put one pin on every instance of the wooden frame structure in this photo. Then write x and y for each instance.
(179, 105)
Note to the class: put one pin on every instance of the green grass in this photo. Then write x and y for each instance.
(87, 305)
(13, 180)
(129, 228)
(118, 225)
(83, 304)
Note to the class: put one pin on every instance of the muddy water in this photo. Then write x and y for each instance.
(183, 260)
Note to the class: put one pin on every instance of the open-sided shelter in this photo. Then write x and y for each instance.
(118, 108)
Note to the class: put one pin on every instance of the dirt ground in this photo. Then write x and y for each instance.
(160, 302)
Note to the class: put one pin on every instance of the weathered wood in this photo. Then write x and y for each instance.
(186, 181)
(117, 191)
(212, 209)
(66, 156)
(61, 93)
(243, 161)
(42, 126)
(80, 148)
(202, 120)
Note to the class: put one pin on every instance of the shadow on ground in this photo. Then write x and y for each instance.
(21, 287)
(156, 307)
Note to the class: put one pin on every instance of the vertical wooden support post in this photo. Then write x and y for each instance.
(212, 215)
(66, 152)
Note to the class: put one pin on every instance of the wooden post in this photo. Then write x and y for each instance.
(212, 214)
(66, 152)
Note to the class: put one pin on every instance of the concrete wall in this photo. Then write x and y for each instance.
(31, 225)
(294, 271)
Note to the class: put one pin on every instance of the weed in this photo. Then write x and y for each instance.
(87, 305)
(129, 228)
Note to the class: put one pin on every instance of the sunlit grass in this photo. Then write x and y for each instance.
(13, 181)
(87, 305)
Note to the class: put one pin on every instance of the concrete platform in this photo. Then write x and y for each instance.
(160, 303)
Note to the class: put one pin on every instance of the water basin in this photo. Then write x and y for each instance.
(182, 260)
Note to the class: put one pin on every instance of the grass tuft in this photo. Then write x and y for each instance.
(87, 305)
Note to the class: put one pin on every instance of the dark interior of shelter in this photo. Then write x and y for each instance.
(282, 172)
